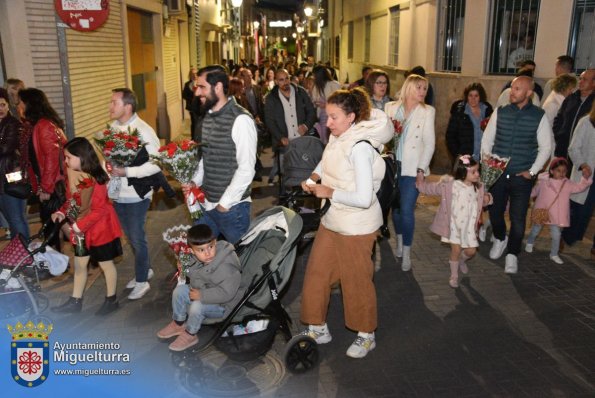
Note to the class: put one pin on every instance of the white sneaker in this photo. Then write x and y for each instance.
(556, 259)
(406, 262)
(529, 247)
(483, 231)
(140, 289)
(132, 283)
(399, 249)
(320, 334)
(498, 248)
(362, 345)
(511, 264)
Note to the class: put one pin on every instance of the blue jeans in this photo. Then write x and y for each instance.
(517, 189)
(193, 312)
(13, 210)
(580, 215)
(404, 218)
(231, 224)
(555, 231)
(133, 217)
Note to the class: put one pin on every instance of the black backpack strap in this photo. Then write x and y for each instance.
(369, 143)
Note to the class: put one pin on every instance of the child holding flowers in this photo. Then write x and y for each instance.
(458, 215)
(94, 225)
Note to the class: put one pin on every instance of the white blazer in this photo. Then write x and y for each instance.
(420, 140)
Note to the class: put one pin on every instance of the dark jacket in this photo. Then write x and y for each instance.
(143, 185)
(459, 133)
(10, 128)
(274, 116)
(571, 111)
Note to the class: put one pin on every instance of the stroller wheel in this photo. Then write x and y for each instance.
(301, 354)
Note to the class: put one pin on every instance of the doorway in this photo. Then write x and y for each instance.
(143, 64)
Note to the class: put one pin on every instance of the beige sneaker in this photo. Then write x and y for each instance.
(184, 341)
(361, 346)
(172, 329)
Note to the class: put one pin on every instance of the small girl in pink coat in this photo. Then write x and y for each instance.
(550, 183)
(458, 216)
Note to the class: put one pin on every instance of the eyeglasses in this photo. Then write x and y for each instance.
(381, 82)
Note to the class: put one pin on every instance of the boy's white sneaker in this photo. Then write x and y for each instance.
(140, 289)
(132, 283)
(529, 247)
(498, 248)
(556, 259)
(511, 264)
(320, 334)
(362, 345)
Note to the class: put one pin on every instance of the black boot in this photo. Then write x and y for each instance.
(72, 305)
(109, 305)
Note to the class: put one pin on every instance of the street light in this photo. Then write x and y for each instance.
(256, 25)
(308, 11)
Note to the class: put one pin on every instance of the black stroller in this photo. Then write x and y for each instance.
(20, 273)
(267, 255)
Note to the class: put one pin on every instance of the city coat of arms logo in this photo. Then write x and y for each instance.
(30, 353)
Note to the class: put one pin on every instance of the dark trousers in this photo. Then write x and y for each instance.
(580, 215)
(517, 189)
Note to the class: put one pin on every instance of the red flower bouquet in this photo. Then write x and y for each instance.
(119, 147)
(492, 167)
(398, 126)
(176, 238)
(78, 203)
(180, 159)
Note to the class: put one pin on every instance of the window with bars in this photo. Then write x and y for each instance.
(451, 19)
(350, 40)
(512, 36)
(582, 35)
(368, 34)
(393, 51)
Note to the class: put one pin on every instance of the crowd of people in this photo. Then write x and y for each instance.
(237, 113)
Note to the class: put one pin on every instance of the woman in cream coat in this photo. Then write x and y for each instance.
(414, 147)
(349, 173)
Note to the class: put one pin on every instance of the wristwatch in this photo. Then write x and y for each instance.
(532, 174)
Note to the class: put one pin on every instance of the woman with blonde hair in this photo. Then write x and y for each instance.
(414, 143)
(349, 173)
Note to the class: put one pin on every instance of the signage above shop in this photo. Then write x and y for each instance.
(280, 24)
(83, 15)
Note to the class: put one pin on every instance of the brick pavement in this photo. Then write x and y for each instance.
(531, 334)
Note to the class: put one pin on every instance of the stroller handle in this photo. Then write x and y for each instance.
(47, 238)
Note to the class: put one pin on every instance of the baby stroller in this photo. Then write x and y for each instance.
(21, 264)
(267, 254)
(302, 156)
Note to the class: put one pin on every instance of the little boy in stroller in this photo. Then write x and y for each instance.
(213, 291)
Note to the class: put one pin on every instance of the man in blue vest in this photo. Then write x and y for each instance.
(521, 131)
(226, 168)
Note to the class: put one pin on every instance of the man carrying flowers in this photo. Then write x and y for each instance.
(519, 131)
(226, 168)
(133, 198)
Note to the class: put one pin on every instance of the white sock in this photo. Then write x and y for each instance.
(319, 328)
(366, 335)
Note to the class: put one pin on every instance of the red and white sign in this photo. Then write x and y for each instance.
(83, 15)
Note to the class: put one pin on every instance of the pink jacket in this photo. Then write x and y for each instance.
(546, 191)
(443, 188)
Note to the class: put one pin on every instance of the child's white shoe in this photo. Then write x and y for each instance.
(556, 259)
(529, 247)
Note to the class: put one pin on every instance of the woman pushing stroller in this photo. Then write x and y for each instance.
(349, 173)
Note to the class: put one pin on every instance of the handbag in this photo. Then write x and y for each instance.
(541, 216)
(18, 186)
(19, 190)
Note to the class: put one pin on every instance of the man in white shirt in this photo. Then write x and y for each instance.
(226, 168)
(130, 206)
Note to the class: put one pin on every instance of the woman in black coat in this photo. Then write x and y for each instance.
(464, 131)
